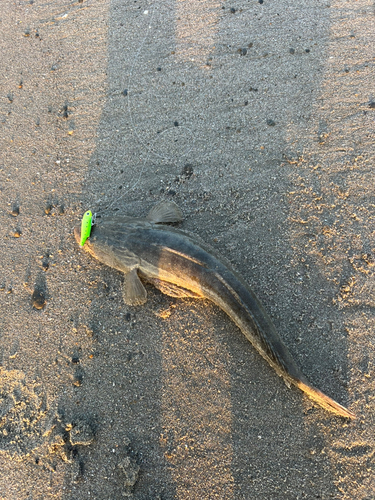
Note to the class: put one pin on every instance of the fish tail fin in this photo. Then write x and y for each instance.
(324, 401)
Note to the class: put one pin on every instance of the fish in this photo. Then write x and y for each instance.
(180, 264)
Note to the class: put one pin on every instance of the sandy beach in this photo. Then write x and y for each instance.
(257, 118)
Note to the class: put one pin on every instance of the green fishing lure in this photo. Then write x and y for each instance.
(86, 227)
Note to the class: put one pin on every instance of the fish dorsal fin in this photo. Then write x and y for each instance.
(164, 212)
(133, 292)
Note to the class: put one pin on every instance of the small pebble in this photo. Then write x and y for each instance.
(15, 210)
(271, 123)
(127, 316)
(38, 299)
(291, 51)
(175, 124)
(371, 104)
(158, 68)
(75, 360)
(17, 233)
(233, 10)
(78, 377)
(125, 92)
(187, 171)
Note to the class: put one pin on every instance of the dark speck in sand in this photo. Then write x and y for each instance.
(48, 208)
(78, 377)
(65, 112)
(38, 299)
(187, 171)
(15, 209)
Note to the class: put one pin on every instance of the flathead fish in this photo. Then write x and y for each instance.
(181, 265)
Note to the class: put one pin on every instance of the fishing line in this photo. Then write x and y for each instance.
(150, 149)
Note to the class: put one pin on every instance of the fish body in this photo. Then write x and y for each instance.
(181, 265)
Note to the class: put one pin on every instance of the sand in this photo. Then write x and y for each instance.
(257, 119)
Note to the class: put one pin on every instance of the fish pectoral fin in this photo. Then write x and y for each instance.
(133, 291)
(173, 290)
(164, 212)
